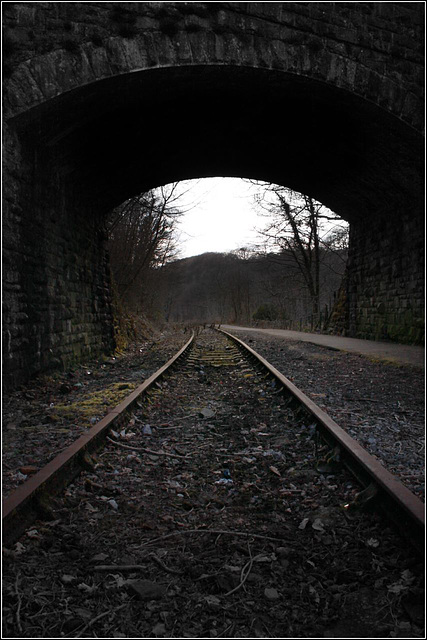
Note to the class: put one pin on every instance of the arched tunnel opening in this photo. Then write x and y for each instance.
(90, 148)
(226, 250)
(126, 134)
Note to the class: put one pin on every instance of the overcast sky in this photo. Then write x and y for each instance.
(222, 216)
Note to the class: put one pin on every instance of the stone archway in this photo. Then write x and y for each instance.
(297, 95)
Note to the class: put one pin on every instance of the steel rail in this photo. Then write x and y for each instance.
(395, 500)
(30, 500)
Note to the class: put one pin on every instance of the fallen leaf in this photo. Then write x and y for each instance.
(86, 588)
(372, 542)
(90, 508)
(318, 525)
(276, 471)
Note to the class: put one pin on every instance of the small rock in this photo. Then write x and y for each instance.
(271, 594)
(212, 601)
(206, 413)
(100, 557)
(303, 523)
(159, 629)
(318, 525)
(28, 470)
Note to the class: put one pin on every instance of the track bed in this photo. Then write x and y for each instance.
(205, 516)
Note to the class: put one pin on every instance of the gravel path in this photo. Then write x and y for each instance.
(387, 351)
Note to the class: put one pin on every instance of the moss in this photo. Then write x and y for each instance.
(95, 404)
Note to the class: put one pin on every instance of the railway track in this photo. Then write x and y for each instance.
(220, 475)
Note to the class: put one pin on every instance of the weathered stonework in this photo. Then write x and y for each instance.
(102, 100)
(385, 283)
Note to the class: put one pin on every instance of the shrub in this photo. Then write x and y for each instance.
(266, 312)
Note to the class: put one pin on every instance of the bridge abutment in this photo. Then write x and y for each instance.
(56, 287)
(385, 283)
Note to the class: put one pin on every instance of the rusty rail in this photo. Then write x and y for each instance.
(396, 501)
(30, 500)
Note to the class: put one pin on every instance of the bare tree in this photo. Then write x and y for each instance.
(296, 233)
(141, 238)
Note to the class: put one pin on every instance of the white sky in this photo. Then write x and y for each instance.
(222, 216)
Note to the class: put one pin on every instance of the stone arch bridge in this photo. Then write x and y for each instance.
(104, 100)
